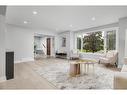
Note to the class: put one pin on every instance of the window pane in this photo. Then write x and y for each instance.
(111, 40)
(79, 43)
(93, 42)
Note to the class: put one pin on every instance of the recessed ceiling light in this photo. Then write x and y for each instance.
(70, 25)
(25, 22)
(34, 12)
(93, 19)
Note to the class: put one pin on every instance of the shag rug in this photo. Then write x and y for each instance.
(57, 73)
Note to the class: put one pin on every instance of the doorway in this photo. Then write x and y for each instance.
(43, 46)
(48, 47)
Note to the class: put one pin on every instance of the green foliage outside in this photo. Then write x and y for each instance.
(93, 42)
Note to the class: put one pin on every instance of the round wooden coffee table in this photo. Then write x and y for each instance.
(85, 65)
(81, 67)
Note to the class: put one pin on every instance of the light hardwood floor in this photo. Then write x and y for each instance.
(27, 78)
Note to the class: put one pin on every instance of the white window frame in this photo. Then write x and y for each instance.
(105, 30)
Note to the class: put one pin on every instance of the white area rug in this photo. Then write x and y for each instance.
(57, 72)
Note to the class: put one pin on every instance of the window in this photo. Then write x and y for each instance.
(111, 40)
(96, 41)
(79, 43)
(93, 42)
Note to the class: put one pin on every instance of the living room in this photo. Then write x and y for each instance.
(68, 63)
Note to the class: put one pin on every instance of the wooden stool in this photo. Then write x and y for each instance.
(74, 69)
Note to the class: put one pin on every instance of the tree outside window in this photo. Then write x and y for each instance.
(93, 42)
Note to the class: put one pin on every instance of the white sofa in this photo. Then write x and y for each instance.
(110, 57)
(120, 78)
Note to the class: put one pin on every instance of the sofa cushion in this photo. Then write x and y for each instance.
(110, 54)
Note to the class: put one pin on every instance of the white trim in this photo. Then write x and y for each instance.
(82, 43)
(125, 43)
(75, 41)
(104, 29)
(24, 60)
(105, 41)
(2, 79)
(117, 39)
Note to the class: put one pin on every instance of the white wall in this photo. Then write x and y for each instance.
(21, 41)
(2, 43)
(45, 32)
(99, 27)
(2, 48)
(59, 42)
(72, 40)
(122, 34)
(126, 43)
(69, 35)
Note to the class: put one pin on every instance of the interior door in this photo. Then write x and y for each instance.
(48, 46)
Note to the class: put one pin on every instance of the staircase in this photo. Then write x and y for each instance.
(39, 54)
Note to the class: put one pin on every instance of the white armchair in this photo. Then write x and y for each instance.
(120, 78)
(110, 57)
(74, 54)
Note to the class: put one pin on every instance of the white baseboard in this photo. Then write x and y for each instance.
(24, 60)
(2, 79)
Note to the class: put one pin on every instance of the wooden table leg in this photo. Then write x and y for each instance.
(93, 68)
(74, 69)
(78, 69)
(87, 68)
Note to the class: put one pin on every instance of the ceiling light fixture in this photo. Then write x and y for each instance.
(93, 19)
(25, 22)
(70, 25)
(34, 12)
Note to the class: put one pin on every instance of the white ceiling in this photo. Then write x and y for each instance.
(63, 18)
